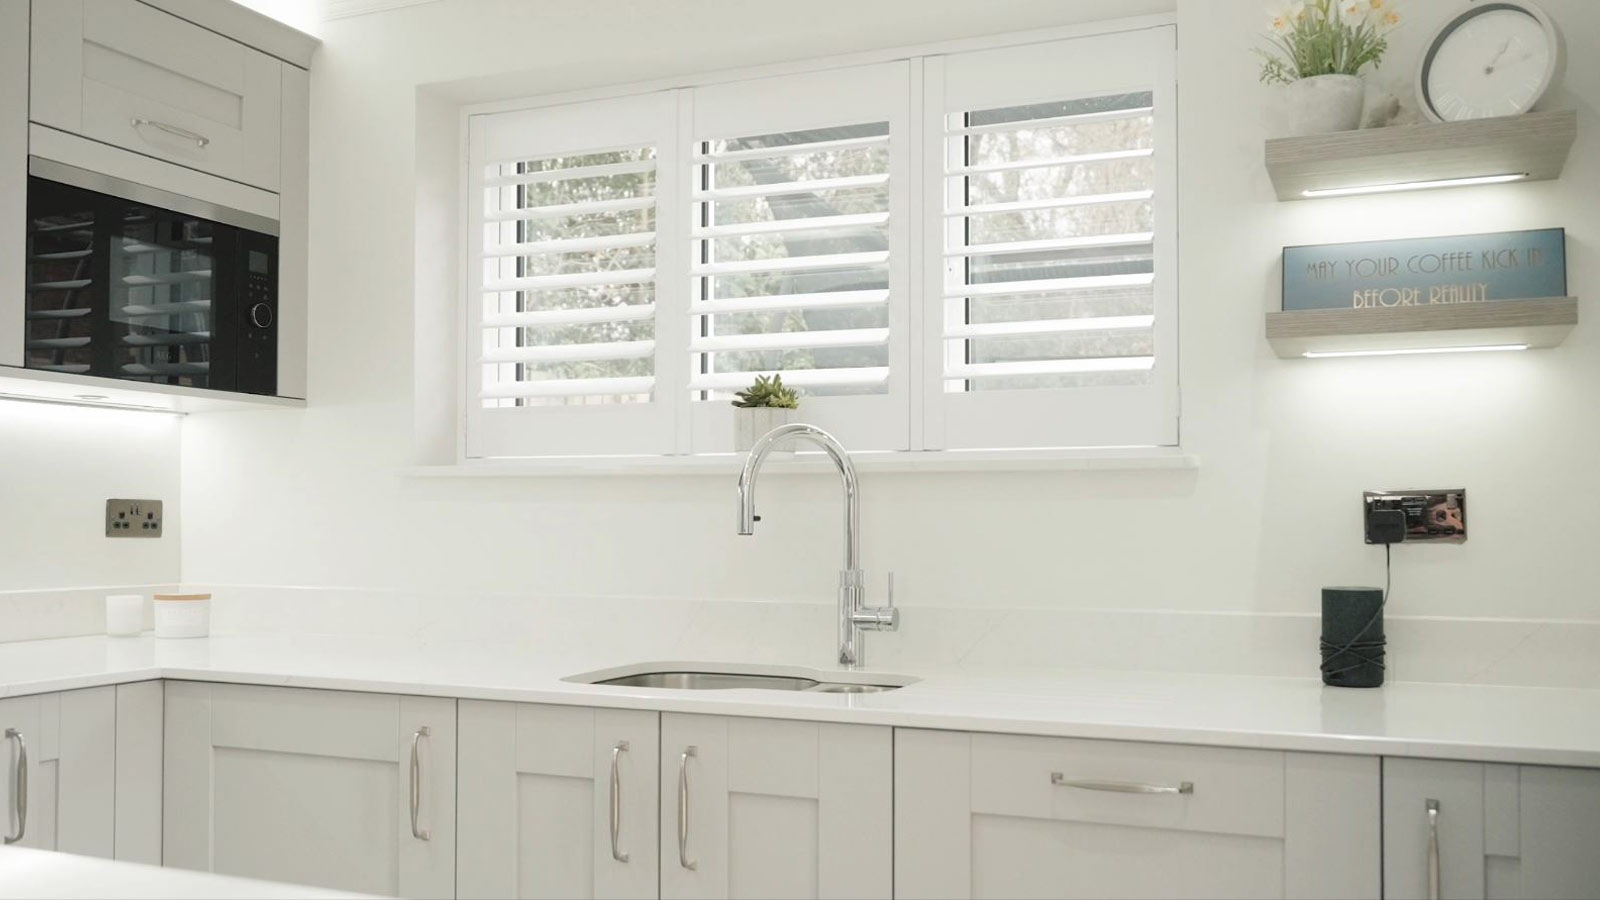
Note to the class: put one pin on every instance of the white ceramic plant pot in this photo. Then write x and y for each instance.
(751, 422)
(1325, 103)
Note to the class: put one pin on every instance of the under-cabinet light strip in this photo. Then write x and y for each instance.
(91, 404)
(1487, 348)
(1413, 185)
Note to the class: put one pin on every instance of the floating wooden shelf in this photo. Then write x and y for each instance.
(1543, 322)
(57, 387)
(1534, 145)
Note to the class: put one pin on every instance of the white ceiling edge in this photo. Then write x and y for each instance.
(343, 9)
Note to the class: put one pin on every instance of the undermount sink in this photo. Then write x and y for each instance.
(702, 680)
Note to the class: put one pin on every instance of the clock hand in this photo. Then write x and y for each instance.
(1489, 69)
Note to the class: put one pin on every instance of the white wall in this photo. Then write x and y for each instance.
(58, 466)
(1286, 447)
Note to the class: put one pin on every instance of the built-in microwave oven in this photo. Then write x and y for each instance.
(138, 284)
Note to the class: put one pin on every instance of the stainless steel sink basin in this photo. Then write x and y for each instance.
(722, 681)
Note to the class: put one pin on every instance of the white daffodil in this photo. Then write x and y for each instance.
(1285, 14)
(1354, 12)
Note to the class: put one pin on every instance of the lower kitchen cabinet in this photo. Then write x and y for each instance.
(775, 808)
(58, 788)
(557, 801)
(984, 815)
(351, 791)
(1484, 830)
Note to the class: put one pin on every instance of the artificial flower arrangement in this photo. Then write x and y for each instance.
(1326, 37)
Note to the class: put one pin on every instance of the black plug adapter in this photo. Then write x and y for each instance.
(1386, 526)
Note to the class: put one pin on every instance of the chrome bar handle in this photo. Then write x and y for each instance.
(1120, 787)
(1433, 850)
(683, 809)
(200, 140)
(421, 834)
(616, 801)
(19, 786)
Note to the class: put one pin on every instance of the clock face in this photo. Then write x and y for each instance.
(1495, 63)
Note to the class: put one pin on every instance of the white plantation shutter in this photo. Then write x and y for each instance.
(566, 273)
(799, 242)
(1051, 314)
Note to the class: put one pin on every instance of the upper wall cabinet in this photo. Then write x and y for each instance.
(135, 77)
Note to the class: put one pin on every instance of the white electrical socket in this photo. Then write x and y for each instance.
(133, 518)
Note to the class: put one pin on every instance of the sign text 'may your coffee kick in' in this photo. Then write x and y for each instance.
(1469, 268)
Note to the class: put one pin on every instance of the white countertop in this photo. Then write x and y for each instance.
(1552, 726)
(41, 873)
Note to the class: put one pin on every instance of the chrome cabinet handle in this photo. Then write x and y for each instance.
(616, 801)
(683, 809)
(200, 140)
(421, 834)
(1119, 787)
(19, 786)
(1433, 850)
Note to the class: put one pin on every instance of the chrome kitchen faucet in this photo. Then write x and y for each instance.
(854, 615)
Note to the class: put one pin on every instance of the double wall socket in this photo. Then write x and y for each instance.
(1431, 516)
(133, 518)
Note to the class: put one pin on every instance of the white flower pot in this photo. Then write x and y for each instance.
(751, 422)
(1325, 103)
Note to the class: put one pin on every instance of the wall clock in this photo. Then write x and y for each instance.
(1492, 58)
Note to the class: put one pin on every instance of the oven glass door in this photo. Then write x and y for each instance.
(125, 290)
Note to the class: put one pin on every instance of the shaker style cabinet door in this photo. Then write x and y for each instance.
(556, 801)
(1488, 830)
(57, 788)
(756, 808)
(984, 815)
(132, 76)
(351, 791)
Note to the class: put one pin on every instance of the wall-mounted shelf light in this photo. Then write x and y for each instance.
(1413, 185)
(1530, 147)
(1489, 326)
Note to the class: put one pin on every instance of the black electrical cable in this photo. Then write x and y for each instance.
(1356, 647)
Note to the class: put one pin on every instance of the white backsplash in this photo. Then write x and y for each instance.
(1481, 651)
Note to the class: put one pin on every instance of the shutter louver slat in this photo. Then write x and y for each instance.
(825, 300)
(792, 340)
(806, 378)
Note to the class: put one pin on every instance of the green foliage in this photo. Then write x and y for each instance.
(768, 393)
(1326, 37)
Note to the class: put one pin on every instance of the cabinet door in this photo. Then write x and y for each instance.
(130, 75)
(57, 788)
(1497, 831)
(13, 174)
(312, 787)
(767, 808)
(542, 791)
(1007, 816)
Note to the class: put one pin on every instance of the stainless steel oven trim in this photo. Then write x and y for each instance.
(139, 193)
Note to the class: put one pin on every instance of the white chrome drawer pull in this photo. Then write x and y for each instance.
(1119, 787)
(683, 809)
(19, 786)
(200, 140)
(616, 801)
(421, 834)
(1433, 849)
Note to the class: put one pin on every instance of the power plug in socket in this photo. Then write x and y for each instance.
(133, 518)
(1431, 516)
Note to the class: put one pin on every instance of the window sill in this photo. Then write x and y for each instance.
(728, 464)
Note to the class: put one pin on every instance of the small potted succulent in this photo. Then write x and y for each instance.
(1319, 49)
(761, 407)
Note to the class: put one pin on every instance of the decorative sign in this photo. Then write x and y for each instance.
(1469, 268)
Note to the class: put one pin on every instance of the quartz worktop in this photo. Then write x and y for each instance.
(42, 873)
(1552, 726)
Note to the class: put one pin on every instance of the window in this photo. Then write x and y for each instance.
(637, 260)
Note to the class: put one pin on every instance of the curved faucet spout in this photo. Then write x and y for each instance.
(841, 460)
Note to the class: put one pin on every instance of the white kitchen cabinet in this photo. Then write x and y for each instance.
(1486, 830)
(57, 788)
(138, 772)
(984, 815)
(770, 808)
(127, 74)
(557, 801)
(13, 173)
(345, 790)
